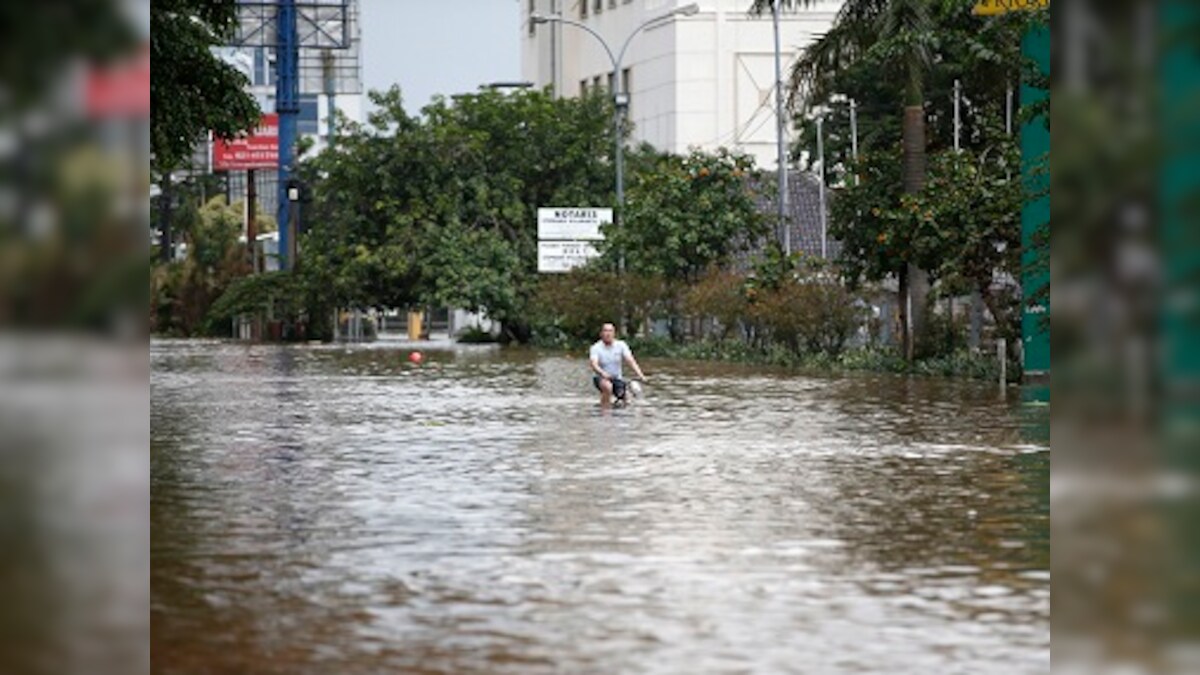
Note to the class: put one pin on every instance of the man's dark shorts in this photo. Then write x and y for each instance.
(618, 386)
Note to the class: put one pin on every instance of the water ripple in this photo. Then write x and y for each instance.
(333, 509)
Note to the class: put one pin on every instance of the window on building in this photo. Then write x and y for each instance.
(626, 82)
(597, 6)
(611, 84)
(596, 82)
(529, 19)
(309, 122)
(260, 66)
(612, 4)
(583, 9)
(583, 87)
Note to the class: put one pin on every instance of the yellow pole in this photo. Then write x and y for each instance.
(414, 325)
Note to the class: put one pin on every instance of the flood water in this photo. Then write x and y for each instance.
(332, 509)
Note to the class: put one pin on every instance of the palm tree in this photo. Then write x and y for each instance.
(896, 31)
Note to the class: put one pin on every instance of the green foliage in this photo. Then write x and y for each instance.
(945, 335)
(686, 214)
(181, 292)
(269, 294)
(192, 91)
(813, 314)
(720, 295)
(869, 359)
(963, 227)
(475, 336)
(854, 60)
(876, 222)
(473, 269)
(440, 209)
(41, 39)
(574, 305)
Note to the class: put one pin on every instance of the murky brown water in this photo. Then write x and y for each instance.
(335, 510)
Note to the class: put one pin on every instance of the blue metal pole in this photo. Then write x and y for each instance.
(287, 105)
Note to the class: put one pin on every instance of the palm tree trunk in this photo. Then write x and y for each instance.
(914, 161)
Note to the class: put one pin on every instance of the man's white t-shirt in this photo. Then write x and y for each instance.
(610, 357)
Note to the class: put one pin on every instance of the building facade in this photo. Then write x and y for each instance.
(704, 81)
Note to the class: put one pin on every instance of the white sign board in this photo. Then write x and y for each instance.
(563, 256)
(573, 224)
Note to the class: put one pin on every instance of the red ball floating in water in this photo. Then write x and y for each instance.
(416, 357)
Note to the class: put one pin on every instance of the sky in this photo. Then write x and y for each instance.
(437, 47)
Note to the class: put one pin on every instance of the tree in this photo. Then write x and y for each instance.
(192, 91)
(509, 154)
(976, 206)
(181, 293)
(719, 295)
(39, 40)
(685, 214)
(440, 209)
(891, 34)
(964, 227)
(875, 44)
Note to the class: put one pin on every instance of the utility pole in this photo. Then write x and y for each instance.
(821, 185)
(781, 151)
(287, 105)
(165, 251)
(251, 219)
(554, 27)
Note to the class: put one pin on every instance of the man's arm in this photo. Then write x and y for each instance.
(633, 362)
(594, 362)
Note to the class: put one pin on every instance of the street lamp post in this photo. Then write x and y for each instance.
(781, 153)
(292, 227)
(620, 95)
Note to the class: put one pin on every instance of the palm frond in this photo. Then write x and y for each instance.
(853, 32)
(763, 7)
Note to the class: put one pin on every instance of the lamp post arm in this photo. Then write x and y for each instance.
(639, 29)
(577, 24)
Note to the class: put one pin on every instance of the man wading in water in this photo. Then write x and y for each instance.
(605, 358)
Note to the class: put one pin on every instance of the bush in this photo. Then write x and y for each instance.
(475, 335)
(943, 335)
(659, 346)
(719, 295)
(279, 295)
(571, 307)
(181, 292)
(814, 315)
(575, 304)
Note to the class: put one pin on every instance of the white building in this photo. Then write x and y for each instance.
(705, 80)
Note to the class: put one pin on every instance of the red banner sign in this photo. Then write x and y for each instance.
(121, 90)
(259, 150)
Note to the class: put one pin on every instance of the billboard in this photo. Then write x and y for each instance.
(257, 150)
(121, 90)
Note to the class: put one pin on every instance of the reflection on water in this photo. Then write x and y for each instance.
(331, 509)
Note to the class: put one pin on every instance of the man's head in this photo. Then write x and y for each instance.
(607, 333)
